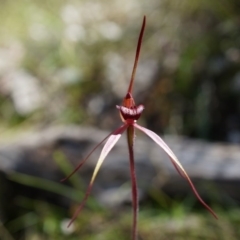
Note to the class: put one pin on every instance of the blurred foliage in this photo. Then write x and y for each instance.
(154, 223)
(161, 217)
(208, 74)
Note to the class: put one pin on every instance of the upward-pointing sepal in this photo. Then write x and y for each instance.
(137, 55)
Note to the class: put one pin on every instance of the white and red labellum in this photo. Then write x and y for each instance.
(132, 113)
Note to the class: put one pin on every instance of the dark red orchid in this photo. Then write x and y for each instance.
(130, 113)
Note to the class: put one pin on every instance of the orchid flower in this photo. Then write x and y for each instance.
(130, 113)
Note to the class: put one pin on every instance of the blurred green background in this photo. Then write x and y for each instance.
(65, 62)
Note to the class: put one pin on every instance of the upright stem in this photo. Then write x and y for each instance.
(130, 139)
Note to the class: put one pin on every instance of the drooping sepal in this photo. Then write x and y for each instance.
(175, 163)
(110, 143)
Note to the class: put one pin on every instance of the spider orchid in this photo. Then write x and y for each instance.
(130, 113)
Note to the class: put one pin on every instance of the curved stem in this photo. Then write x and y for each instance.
(130, 139)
